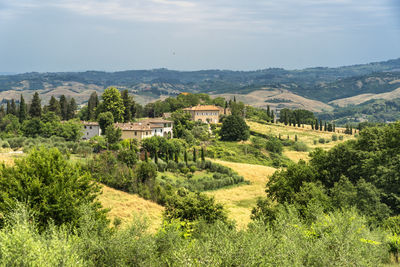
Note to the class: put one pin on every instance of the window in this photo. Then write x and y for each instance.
(135, 133)
(165, 125)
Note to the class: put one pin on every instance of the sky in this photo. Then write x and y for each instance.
(113, 35)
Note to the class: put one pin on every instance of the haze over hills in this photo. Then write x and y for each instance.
(316, 89)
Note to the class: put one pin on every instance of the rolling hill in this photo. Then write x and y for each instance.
(316, 89)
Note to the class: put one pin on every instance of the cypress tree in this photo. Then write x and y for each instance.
(320, 125)
(176, 157)
(8, 110)
(325, 128)
(2, 112)
(13, 108)
(333, 127)
(194, 155)
(203, 158)
(36, 108)
(295, 137)
(22, 114)
(272, 116)
(71, 109)
(316, 125)
(156, 157)
(146, 157)
(54, 106)
(127, 100)
(234, 99)
(268, 111)
(63, 107)
(312, 125)
(92, 105)
(185, 157)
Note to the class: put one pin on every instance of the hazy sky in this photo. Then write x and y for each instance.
(75, 35)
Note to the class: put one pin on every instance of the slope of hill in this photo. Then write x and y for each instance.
(322, 84)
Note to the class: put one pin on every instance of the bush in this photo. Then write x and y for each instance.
(334, 137)
(274, 146)
(161, 166)
(341, 137)
(321, 141)
(300, 146)
(54, 187)
(172, 166)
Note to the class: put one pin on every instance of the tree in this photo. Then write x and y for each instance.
(234, 128)
(8, 110)
(71, 109)
(113, 103)
(64, 107)
(52, 187)
(190, 206)
(128, 103)
(194, 155)
(272, 116)
(113, 135)
(146, 172)
(36, 108)
(185, 157)
(203, 158)
(92, 105)
(105, 119)
(54, 106)
(13, 108)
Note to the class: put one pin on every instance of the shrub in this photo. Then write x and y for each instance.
(172, 166)
(314, 142)
(340, 137)
(161, 166)
(300, 146)
(274, 146)
(53, 188)
(321, 141)
(334, 137)
(192, 169)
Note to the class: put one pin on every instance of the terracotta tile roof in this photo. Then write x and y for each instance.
(130, 126)
(203, 107)
(155, 120)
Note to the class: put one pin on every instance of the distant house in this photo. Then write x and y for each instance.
(205, 113)
(146, 128)
(90, 129)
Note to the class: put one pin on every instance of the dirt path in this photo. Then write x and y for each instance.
(240, 200)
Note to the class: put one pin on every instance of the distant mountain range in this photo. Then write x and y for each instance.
(315, 89)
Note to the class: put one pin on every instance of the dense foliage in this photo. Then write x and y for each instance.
(49, 185)
(234, 128)
(362, 173)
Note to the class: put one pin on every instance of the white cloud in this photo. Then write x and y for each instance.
(272, 16)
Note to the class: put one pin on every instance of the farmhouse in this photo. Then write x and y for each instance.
(205, 113)
(146, 128)
(90, 129)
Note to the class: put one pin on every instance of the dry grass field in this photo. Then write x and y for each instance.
(240, 200)
(126, 206)
(305, 135)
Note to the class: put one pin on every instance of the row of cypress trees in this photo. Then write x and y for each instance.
(63, 108)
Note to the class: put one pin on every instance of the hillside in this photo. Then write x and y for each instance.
(319, 84)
